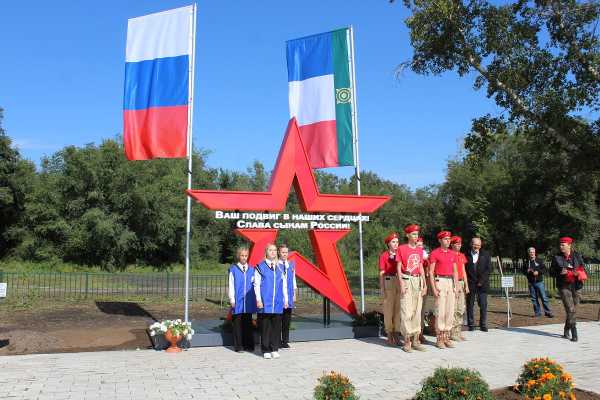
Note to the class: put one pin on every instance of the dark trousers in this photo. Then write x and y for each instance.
(270, 332)
(243, 331)
(570, 298)
(286, 319)
(481, 296)
(537, 292)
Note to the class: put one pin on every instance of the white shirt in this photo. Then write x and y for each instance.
(257, 280)
(475, 256)
(231, 291)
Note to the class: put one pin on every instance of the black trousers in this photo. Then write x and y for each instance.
(270, 332)
(286, 319)
(481, 296)
(243, 331)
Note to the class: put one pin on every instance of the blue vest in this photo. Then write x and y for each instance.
(289, 276)
(271, 288)
(243, 282)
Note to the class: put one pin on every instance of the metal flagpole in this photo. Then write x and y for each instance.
(192, 44)
(357, 166)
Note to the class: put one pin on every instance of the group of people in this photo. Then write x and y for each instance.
(439, 287)
(415, 286)
(268, 289)
(413, 281)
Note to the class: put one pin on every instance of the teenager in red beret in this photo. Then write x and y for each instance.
(411, 276)
(444, 280)
(390, 288)
(568, 270)
(462, 289)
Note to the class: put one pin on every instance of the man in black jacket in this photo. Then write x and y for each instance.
(534, 269)
(479, 265)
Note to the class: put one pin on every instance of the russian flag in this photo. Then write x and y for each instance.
(157, 78)
(320, 96)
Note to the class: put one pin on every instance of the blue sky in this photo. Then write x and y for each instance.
(62, 70)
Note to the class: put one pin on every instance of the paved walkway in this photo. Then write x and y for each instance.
(378, 371)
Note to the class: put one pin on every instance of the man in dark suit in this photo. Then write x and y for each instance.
(479, 265)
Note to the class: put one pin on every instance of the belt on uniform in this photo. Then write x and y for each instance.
(444, 276)
(388, 277)
(413, 275)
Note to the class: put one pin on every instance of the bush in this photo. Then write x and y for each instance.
(544, 379)
(334, 386)
(454, 383)
(371, 318)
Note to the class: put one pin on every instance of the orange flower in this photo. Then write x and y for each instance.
(547, 396)
(561, 394)
(530, 383)
(572, 396)
(462, 392)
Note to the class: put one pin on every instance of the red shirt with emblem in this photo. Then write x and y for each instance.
(411, 258)
(388, 263)
(444, 261)
(461, 261)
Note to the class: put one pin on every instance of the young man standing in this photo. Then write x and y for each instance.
(289, 272)
(462, 289)
(411, 278)
(390, 288)
(444, 281)
(534, 269)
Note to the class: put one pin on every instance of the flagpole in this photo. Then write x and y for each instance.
(357, 167)
(188, 228)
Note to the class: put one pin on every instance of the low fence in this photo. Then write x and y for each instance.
(90, 285)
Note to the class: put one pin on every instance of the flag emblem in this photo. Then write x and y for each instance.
(343, 95)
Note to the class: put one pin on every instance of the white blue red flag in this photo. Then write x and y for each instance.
(157, 84)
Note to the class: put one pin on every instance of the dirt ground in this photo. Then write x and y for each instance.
(49, 327)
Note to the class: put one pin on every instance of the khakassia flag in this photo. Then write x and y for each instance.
(320, 96)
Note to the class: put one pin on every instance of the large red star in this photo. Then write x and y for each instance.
(293, 166)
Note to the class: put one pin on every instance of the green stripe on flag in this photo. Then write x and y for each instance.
(343, 97)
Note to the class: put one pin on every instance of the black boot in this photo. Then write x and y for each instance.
(567, 334)
(574, 337)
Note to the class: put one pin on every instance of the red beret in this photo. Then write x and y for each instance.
(411, 228)
(390, 237)
(455, 239)
(566, 239)
(444, 234)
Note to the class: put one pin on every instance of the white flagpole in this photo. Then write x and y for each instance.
(192, 44)
(356, 165)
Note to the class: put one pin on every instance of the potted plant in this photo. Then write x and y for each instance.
(173, 331)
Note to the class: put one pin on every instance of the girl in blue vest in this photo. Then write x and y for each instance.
(243, 301)
(289, 272)
(270, 288)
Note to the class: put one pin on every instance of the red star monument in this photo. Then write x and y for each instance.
(327, 277)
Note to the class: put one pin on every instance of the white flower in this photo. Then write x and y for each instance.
(189, 337)
(185, 331)
(152, 333)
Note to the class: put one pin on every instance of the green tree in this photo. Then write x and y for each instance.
(16, 179)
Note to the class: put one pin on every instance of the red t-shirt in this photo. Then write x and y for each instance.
(461, 261)
(411, 258)
(388, 264)
(444, 261)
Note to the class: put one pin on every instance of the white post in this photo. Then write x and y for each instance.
(508, 316)
(192, 44)
(356, 165)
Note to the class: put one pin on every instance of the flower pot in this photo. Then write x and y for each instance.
(173, 340)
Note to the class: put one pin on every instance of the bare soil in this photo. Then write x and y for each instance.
(49, 327)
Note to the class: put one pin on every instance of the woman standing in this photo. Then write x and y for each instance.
(567, 267)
